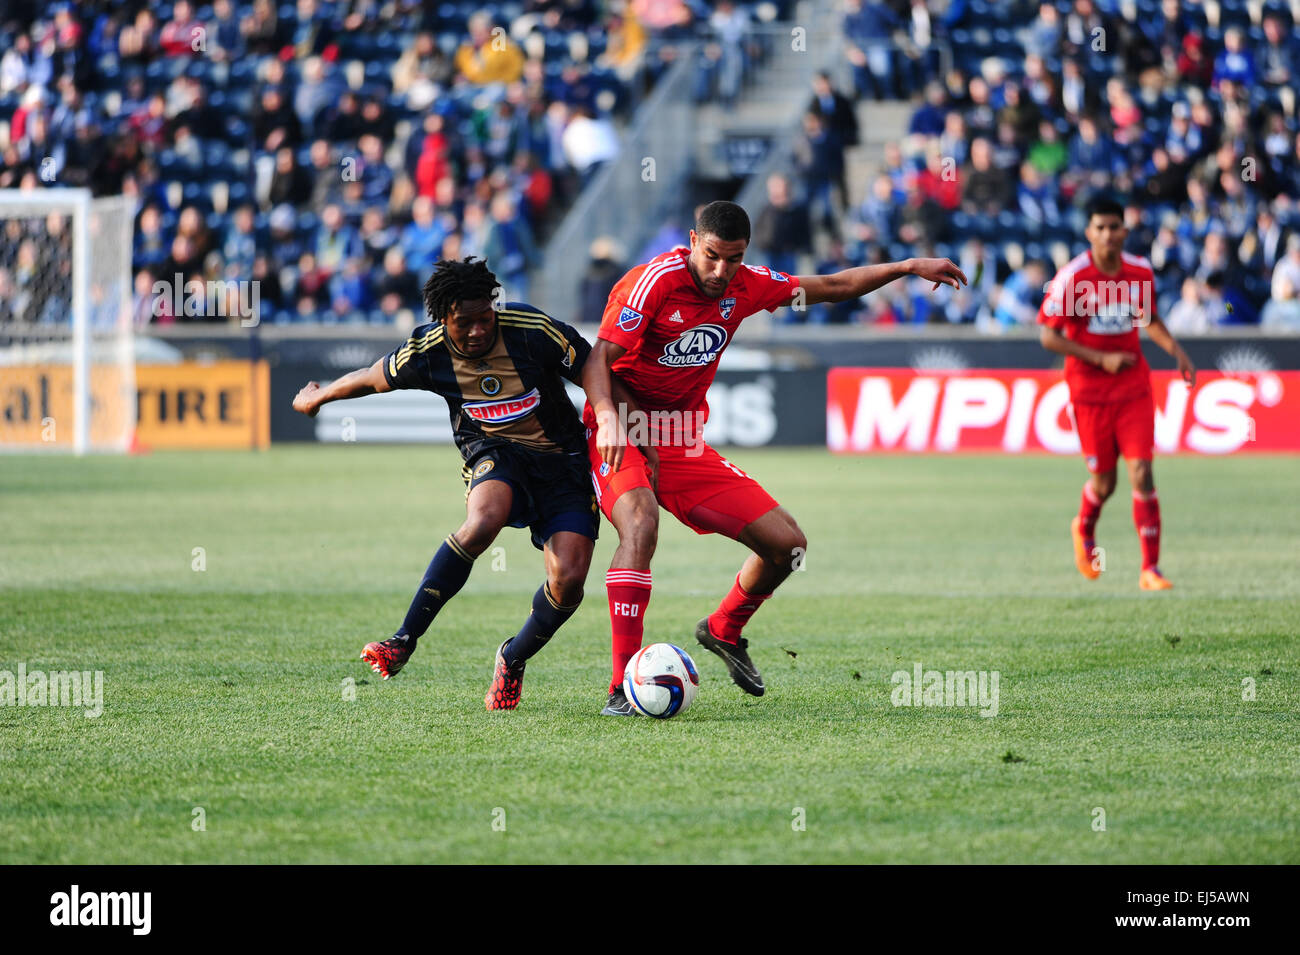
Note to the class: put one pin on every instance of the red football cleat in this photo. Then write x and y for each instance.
(507, 684)
(388, 657)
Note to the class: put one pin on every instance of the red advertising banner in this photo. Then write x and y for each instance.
(890, 410)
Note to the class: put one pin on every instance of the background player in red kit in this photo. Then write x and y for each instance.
(665, 325)
(1091, 315)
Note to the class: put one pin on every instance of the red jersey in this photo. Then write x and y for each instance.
(1100, 311)
(674, 333)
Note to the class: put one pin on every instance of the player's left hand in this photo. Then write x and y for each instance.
(940, 272)
(305, 399)
(1186, 369)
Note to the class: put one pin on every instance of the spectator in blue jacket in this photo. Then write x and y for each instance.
(1236, 62)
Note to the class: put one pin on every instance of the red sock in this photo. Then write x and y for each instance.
(629, 593)
(1089, 511)
(1146, 518)
(734, 612)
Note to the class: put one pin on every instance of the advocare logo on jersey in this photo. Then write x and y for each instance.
(695, 346)
(103, 908)
(508, 409)
(1113, 320)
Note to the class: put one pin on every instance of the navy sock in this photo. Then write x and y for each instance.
(446, 574)
(547, 617)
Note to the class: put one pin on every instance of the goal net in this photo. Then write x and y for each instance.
(67, 363)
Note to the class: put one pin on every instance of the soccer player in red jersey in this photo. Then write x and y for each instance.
(665, 325)
(1091, 315)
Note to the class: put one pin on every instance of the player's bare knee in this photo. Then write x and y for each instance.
(1104, 484)
(566, 588)
(784, 549)
(478, 532)
(792, 548)
(1142, 477)
(640, 527)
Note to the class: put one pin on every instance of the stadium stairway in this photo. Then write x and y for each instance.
(773, 97)
(879, 122)
(690, 136)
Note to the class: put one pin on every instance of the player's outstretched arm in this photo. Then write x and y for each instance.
(363, 381)
(1162, 336)
(1110, 361)
(597, 375)
(853, 283)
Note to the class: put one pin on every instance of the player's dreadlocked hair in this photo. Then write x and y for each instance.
(455, 281)
(726, 220)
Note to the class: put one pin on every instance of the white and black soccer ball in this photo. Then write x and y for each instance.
(661, 680)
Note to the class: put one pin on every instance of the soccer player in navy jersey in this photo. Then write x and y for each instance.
(502, 372)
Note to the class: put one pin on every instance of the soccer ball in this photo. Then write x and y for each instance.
(661, 681)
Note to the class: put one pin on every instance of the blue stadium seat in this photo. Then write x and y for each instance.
(242, 71)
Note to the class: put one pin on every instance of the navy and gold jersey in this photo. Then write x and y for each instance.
(513, 393)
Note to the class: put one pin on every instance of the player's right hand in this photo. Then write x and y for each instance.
(1116, 361)
(305, 399)
(651, 454)
(611, 439)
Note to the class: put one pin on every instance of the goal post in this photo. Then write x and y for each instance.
(67, 343)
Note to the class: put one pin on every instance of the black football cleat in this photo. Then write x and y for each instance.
(743, 672)
(618, 705)
(388, 657)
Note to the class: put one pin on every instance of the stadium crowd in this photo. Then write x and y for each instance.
(1184, 111)
(332, 151)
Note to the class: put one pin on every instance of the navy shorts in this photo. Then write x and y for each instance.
(552, 491)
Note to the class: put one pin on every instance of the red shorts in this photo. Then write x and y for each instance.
(1107, 430)
(698, 486)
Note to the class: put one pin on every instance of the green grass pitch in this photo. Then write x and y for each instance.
(225, 687)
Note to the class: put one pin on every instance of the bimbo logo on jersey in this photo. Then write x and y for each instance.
(508, 409)
(695, 346)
